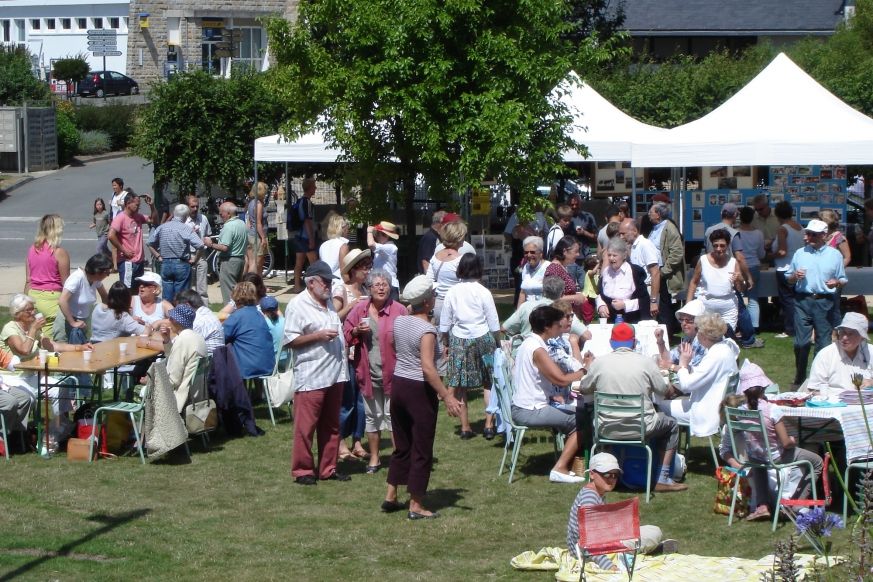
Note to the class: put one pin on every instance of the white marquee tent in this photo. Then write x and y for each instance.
(783, 116)
(309, 148)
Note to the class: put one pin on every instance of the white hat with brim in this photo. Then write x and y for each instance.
(855, 321)
(693, 308)
(816, 226)
(604, 463)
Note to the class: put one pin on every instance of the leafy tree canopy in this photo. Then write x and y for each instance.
(71, 68)
(17, 82)
(199, 130)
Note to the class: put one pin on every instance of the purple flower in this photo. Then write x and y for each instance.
(818, 522)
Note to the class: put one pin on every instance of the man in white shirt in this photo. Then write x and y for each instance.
(313, 331)
(556, 232)
(644, 254)
(201, 227)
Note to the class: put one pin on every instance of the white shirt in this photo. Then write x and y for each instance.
(644, 253)
(83, 296)
(532, 280)
(531, 386)
(706, 386)
(444, 274)
(209, 327)
(106, 326)
(200, 227)
(329, 253)
(469, 311)
(465, 248)
(385, 259)
(833, 367)
(116, 203)
(317, 365)
(619, 285)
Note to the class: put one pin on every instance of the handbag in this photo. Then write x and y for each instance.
(725, 491)
(201, 416)
(280, 386)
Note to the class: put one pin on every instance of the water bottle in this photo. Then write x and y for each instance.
(618, 319)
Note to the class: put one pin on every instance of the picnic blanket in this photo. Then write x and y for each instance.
(663, 568)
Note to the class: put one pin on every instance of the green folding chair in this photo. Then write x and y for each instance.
(631, 409)
(136, 412)
(685, 428)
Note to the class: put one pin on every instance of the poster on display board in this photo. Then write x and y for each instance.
(809, 188)
(615, 179)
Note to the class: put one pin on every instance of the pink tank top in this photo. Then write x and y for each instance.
(44, 273)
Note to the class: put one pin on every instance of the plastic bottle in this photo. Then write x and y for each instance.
(618, 319)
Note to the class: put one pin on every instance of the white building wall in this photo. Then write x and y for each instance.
(19, 20)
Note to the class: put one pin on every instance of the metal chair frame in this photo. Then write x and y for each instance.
(623, 404)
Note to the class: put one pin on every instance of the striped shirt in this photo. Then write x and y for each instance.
(208, 326)
(173, 240)
(408, 331)
(317, 365)
(586, 496)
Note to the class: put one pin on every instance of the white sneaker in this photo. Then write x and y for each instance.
(558, 477)
(781, 336)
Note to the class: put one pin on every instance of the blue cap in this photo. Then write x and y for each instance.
(269, 303)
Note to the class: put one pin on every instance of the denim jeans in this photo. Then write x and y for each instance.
(752, 296)
(786, 301)
(176, 274)
(128, 271)
(811, 313)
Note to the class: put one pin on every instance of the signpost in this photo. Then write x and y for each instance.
(103, 42)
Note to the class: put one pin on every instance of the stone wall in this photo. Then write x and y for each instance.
(147, 47)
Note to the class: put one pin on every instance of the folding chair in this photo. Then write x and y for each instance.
(606, 529)
(515, 434)
(859, 466)
(134, 410)
(631, 409)
(685, 428)
(789, 504)
(751, 422)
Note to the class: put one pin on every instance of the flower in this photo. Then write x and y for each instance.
(818, 522)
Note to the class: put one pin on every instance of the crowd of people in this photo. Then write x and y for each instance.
(373, 358)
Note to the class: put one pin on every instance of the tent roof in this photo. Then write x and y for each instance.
(783, 116)
(607, 131)
(309, 148)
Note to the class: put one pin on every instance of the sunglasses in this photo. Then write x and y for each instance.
(612, 475)
(686, 320)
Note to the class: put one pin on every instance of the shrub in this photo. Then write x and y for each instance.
(114, 119)
(68, 135)
(94, 142)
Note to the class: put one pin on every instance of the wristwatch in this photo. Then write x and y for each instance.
(653, 300)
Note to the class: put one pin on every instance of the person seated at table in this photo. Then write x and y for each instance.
(248, 335)
(622, 286)
(113, 319)
(78, 298)
(783, 447)
(183, 348)
(604, 472)
(669, 360)
(517, 326)
(705, 382)
(147, 306)
(535, 375)
(205, 322)
(564, 350)
(835, 364)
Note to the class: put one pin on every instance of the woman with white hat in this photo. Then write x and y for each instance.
(834, 365)
(604, 473)
(380, 239)
(147, 305)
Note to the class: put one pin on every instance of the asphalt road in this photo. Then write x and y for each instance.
(69, 192)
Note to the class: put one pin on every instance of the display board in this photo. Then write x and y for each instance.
(615, 179)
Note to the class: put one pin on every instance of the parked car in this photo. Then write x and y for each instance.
(100, 83)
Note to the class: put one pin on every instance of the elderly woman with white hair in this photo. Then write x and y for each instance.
(533, 270)
(147, 306)
(834, 366)
(705, 382)
(173, 241)
(622, 286)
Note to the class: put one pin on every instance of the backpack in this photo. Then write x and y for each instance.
(295, 218)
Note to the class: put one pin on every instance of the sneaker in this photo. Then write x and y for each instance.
(758, 343)
(669, 486)
(558, 477)
(782, 335)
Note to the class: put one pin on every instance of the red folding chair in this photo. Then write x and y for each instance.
(607, 529)
(789, 505)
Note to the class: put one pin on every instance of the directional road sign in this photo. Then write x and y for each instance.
(100, 44)
(107, 53)
(101, 33)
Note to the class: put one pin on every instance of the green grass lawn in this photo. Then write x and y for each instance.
(235, 513)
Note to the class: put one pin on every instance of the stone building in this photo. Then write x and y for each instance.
(170, 35)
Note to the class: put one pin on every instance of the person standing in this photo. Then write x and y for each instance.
(643, 254)
(380, 239)
(174, 240)
(305, 241)
(125, 234)
(46, 269)
(836, 239)
(232, 245)
(817, 272)
(100, 223)
(200, 226)
(427, 244)
(256, 229)
(116, 201)
(583, 226)
(666, 238)
(764, 219)
(313, 332)
(78, 298)
(612, 215)
(789, 238)
(754, 247)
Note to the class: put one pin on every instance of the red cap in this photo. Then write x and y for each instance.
(661, 197)
(450, 217)
(622, 336)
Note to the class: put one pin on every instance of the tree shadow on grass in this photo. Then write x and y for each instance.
(110, 522)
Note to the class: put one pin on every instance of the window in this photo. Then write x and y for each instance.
(126, 22)
(66, 23)
(50, 23)
(250, 50)
(82, 23)
(19, 30)
(98, 22)
(34, 24)
(114, 23)
(5, 31)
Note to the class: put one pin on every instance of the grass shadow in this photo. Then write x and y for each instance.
(442, 498)
(110, 522)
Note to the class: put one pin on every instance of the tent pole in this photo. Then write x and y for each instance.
(633, 200)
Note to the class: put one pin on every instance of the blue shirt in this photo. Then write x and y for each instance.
(821, 265)
(174, 239)
(697, 352)
(251, 341)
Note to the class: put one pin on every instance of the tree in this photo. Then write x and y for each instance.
(199, 130)
(71, 69)
(455, 91)
(17, 81)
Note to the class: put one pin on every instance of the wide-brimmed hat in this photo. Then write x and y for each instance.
(417, 291)
(389, 229)
(751, 375)
(817, 226)
(354, 257)
(623, 336)
(604, 463)
(693, 308)
(855, 321)
(150, 278)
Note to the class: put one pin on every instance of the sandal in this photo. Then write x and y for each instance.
(361, 455)
(759, 515)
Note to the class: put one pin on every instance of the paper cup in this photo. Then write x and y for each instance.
(43, 356)
(86, 355)
(602, 320)
(122, 348)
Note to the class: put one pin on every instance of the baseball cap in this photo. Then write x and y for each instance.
(622, 336)
(816, 225)
(319, 269)
(269, 303)
(604, 463)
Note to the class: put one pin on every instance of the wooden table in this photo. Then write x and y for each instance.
(104, 357)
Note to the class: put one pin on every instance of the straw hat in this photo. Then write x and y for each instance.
(352, 258)
(388, 229)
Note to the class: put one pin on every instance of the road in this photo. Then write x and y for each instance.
(69, 192)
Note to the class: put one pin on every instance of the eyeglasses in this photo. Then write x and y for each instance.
(382, 285)
(686, 319)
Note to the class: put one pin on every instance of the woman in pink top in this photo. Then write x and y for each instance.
(47, 267)
(835, 238)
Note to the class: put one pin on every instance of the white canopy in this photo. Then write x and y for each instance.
(607, 131)
(783, 116)
(309, 148)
